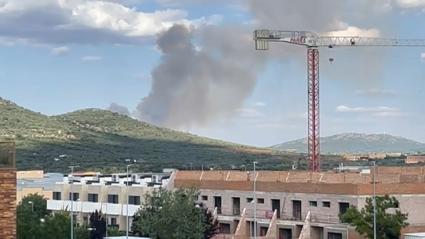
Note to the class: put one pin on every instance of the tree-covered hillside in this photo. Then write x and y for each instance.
(102, 140)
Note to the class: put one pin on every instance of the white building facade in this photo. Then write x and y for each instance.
(106, 193)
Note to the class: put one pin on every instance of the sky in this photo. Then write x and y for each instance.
(190, 65)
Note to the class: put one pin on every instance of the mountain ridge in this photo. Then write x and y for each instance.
(97, 139)
(357, 143)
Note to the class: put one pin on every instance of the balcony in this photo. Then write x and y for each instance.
(76, 205)
(89, 207)
(131, 209)
(55, 205)
(112, 209)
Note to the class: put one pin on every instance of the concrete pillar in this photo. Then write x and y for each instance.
(241, 228)
(306, 231)
(272, 231)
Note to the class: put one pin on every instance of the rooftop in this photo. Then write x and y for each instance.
(47, 182)
(384, 175)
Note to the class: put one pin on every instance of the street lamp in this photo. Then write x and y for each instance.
(374, 200)
(255, 203)
(72, 200)
(126, 231)
(32, 205)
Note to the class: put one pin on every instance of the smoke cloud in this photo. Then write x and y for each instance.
(192, 87)
(118, 109)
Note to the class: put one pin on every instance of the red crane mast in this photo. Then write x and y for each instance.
(313, 42)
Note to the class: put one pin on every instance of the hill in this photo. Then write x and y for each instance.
(357, 143)
(102, 140)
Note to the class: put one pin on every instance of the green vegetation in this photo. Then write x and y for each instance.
(101, 140)
(389, 220)
(174, 215)
(36, 222)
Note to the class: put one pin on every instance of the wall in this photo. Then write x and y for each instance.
(30, 174)
(8, 203)
(48, 194)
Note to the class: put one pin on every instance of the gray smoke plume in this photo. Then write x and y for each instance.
(118, 109)
(191, 87)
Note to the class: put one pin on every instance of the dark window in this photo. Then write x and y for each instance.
(75, 198)
(326, 204)
(112, 198)
(263, 231)
(134, 200)
(57, 196)
(236, 206)
(93, 197)
(334, 235)
(249, 200)
(205, 198)
(260, 200)
(296, 209)
(276, 207)
(113, 221)
(217, 204)
(224, 228)
(285, 233)
(313, 203)
(343, 207)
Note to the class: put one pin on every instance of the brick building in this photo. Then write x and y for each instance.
(415, 159)
(7, 191)
(285, 198)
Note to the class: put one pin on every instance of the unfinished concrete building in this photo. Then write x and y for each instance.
(284, 199)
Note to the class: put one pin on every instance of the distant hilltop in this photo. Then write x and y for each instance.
(355, 143)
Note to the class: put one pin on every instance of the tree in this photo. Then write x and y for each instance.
(56, 225)
(30, 211)
(211, 224)
(98, 225)
(389, 220)
(174, 215)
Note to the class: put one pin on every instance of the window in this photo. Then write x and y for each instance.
(112, 198)
(93, 197)
(57, 196)
(75, 197)
(326, 204)
(260, 200)
(217, 204)
(343, 207)
(313, 204)
(225, 228)
(113, 221)
(263, 231)
(334, 235)
(249, 200)
(204, 198)
(296, 209)
(134, 200)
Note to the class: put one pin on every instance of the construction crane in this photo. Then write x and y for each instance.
(313, 41)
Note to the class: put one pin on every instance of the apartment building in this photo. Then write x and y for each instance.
(284, 199)
(92, 192)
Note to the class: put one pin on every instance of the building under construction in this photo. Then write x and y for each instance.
(284, 199)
